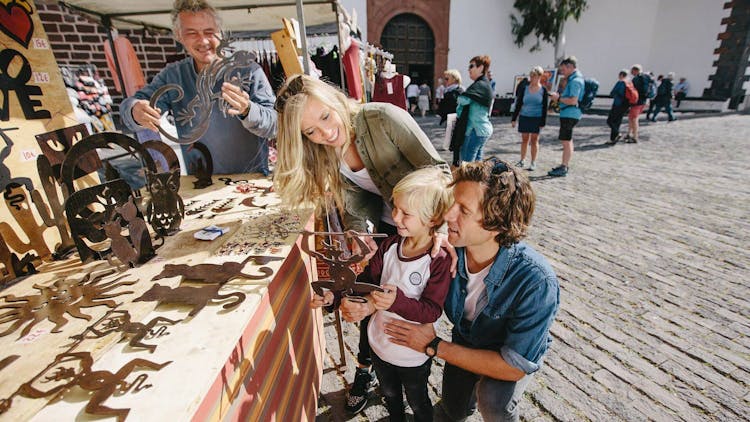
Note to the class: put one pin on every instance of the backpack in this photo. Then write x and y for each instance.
(631, 94)
(651, 86)
(590, 88)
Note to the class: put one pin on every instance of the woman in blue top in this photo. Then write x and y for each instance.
(531, 105)
(474, 111)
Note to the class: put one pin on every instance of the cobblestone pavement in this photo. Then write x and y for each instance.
(650, 243)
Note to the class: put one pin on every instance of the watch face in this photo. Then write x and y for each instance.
(430, 351)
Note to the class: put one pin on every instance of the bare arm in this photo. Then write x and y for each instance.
(482, 362)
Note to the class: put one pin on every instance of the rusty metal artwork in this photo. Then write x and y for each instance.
(65, 296)
(218, 273)
(262, 234)
(117, 321)
(343, 278)
(202, 167)
(195, 297)
(135, 248)
(224, 206)
(165, 209)
(170, 157)
(20, 209)
(197, 114)
(54, 216)
(74, 369)
(88, 210)
(203, 207)
(56, 144)
(7, 361)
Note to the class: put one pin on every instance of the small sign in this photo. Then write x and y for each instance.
(389, 87)
(28, 155)
(33, 336)
(41, 77)
(40, 43)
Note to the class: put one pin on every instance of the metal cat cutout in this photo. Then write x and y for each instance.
(196, 297)
(198, 112)
(218, 273)
(75, 369)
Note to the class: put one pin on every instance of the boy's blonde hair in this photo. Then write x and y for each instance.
(306, 170)
(427, 193)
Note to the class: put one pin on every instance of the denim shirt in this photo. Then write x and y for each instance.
(236, 146)
(516, 311)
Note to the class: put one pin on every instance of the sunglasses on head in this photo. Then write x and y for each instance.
(291, 89)
(472, 66)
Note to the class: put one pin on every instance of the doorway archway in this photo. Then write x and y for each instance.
(412, 43)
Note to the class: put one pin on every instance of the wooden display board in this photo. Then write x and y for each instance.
(34, 101)
(285, 41)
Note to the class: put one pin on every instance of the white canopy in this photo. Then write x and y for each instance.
(236, 15)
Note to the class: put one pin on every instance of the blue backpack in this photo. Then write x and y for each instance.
(651, 93)
(590, 88)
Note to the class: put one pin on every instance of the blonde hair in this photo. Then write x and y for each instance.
(455, 74)
(536, 70)
(305, 171)
(427, 194)
(193, 6)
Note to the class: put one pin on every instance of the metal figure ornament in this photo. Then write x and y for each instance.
(75, 369)
(116, 321)
(198, 112)
(343, 279)
(165, 209)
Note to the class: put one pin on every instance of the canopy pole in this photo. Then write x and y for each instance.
(341, 44)
(303, 37)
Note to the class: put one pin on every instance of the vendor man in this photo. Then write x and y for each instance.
(502, 301)
(237, 140)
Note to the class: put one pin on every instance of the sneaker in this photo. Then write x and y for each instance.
(631, 140)
(520, 164)
(559, 171)
(364, 384)
(532, 167)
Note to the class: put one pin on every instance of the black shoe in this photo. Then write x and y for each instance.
(364, 384)
(559, 171)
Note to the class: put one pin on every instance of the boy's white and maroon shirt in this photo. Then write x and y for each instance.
(422, 283)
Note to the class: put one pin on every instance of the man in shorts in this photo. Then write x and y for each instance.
(641, 83)
(570, 112)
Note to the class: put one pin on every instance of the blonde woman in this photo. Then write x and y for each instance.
(531, 106)
(328, 143)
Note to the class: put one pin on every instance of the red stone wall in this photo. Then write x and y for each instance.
(76, 39)
(435, 13)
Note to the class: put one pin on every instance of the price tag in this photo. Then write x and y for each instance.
(41, 77)
(40, 43)
(33, 336)
(389, 88)
(28, 155)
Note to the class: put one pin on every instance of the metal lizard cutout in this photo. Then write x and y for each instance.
(75, 369)
(116, 321)
(198, 111)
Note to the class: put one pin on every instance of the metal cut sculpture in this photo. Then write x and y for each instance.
(170, 157)
(203, 167)
(165, 209)
(343, 279)
(198, 112)
(135, 248)
(56, 144)
(119, 322)
(196, 297)
(88, 210)
(66, 296)
(75, 369)
(218, 273)
(54, 216)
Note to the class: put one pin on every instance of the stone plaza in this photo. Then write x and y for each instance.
(650, 245)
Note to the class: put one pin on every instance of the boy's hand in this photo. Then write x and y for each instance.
(320, 301)
(384, 300)
(353, 311)
(441, 239)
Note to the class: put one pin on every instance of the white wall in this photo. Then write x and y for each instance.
(361, 7)
(678, 35)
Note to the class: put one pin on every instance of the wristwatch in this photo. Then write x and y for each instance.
(432, 347)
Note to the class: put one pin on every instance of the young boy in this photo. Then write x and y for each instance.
(416, 286)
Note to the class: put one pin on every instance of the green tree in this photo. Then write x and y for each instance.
(546, 20)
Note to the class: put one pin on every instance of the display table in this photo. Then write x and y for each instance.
(259, 360)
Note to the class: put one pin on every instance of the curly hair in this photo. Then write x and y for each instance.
(508, 201)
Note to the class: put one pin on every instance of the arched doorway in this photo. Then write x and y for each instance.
(412, 43)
